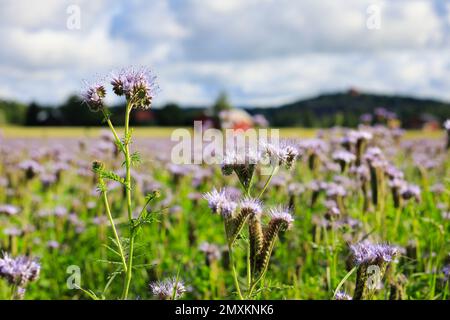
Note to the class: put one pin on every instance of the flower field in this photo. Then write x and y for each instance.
(52, 212)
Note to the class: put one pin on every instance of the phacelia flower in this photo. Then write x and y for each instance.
(220, 202)
(9, 209)
(344, 156)
(168, 289)
(281, 214)
(212, 251)
(340, 295)
(243, 163)
(368, 253)
(409, 191)
(20, 270)
(251, 205)
(284, 154)
(137, 85)
(31, 168)
(94, 95)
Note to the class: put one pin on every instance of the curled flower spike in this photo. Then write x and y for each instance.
(281, 215)
(281, 219)
(243, 163)
(251, 205)
(168, 289)
(368, 253)
(219, 202)
(94, 95)
(137, 85)
(370, 258)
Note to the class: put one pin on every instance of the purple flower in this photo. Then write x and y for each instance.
(211, 251)
(344, 156)
(52, 244)
(341, 295)
(251, 205)
(9, 209)
(368, 253)
(359, 135)
(13, 231)
(409, 191)
(220, 202)
(168, 289)
(284, 154)
(137, 85)
(20, 270)
(31, 168)
(94, 95)
(281, 214)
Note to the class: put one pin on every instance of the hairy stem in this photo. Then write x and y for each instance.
(116, 236)
(128, 199)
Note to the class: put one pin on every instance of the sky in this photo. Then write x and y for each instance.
(261, 52)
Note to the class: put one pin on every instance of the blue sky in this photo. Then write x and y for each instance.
(262, 52)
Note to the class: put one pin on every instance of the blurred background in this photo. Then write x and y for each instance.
(292, 63)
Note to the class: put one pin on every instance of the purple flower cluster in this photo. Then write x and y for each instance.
(251, 205)
(220, 202)
(168, 289)
(94, 95)
(281, 214)
(20, 270)
(138, 85)
(344, 156)
(368, 253)
(9, 209)
(340, 295)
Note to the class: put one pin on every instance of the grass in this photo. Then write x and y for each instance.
(162, 132)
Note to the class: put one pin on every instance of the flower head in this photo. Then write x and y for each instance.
(9, 209)
(284, 154)
(220, 202)
(94, 95)
(281, 214)
(251, 205)
(20, 270)
(368, 253)
(344, 156)
(137, 85)
(409, 191)
(341, 295)
(168, 289)
(212, 251)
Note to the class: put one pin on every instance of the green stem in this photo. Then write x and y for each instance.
(230, 253)
(128, 199)
(116, 236)
(108, 121)
(274, 169)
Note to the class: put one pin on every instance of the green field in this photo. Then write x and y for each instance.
(161, 132)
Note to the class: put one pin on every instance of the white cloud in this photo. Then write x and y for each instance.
(261, 51)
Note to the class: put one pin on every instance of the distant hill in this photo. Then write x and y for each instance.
(346, 108)
(326, 110)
